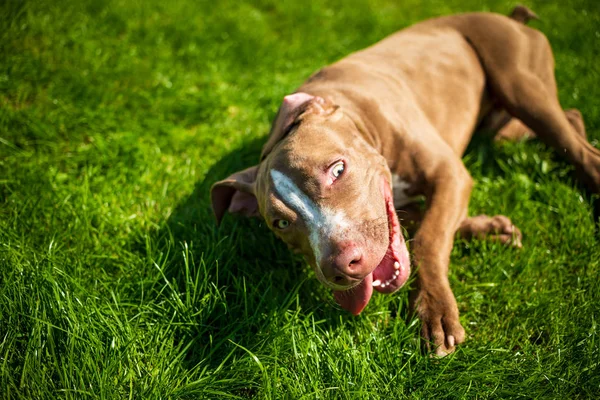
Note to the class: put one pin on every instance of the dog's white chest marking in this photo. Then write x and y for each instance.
(322, 223)
(400, 187)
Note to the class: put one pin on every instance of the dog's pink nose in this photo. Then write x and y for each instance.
(343, 267)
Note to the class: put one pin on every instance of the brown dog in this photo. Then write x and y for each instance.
(366, 135)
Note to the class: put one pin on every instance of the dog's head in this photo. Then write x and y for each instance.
(327, 194)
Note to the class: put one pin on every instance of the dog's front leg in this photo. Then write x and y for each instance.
(448, 189)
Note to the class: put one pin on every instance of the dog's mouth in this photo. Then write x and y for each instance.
(391, 273)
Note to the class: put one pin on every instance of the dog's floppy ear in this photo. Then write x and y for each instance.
(235, 194)
(293, 107)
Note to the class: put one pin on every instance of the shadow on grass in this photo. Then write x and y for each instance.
(486, 158)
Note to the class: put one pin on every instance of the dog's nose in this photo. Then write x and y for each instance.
(344, 266)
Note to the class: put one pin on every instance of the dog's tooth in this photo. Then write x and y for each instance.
(383, 284)
(376, 283)
(396, 273)
(397, 265)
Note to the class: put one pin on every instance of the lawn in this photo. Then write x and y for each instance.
(115, 119)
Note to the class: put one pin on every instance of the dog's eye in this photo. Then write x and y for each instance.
(338, 169)
(281, 223)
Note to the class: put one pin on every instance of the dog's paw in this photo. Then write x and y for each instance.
(498, 228)
(441, 328)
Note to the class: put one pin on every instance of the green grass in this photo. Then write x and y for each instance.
(115, 119)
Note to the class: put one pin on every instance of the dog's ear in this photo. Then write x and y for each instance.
(235, 194)
(293, 108)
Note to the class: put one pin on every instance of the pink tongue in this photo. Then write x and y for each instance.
(357, 298)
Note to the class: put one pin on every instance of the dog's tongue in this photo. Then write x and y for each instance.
(357, 298)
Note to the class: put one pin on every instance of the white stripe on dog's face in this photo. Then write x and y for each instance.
(322, 223)
(296, 198)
